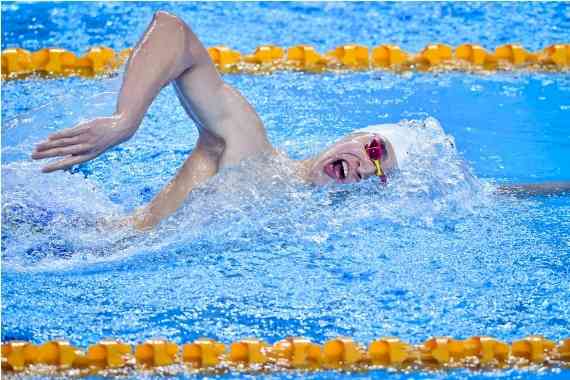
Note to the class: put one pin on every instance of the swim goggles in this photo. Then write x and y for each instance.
(375, 151)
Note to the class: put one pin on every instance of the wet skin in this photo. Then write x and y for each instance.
(347, 160)
(229, 128)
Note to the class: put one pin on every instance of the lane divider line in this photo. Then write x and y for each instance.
(19, 63)
(343, 353)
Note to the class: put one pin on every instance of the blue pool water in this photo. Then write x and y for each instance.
(254, 252)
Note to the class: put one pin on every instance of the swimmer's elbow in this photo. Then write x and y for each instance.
(172, 25)
(165, 18)
(182, 37)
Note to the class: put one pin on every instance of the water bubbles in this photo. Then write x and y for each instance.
(257, 251)
(477, 88)
(51, 218)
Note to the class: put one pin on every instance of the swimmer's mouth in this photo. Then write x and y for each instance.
(338, 170)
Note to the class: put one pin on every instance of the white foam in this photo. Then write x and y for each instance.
(401, 138)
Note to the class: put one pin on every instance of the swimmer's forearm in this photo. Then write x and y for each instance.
(163, 53)
(198, 168)
(536, 189)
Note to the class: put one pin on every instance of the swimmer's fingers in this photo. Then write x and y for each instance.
(69, 132)
(61, 142)
(67, 162)
(82, 143)
(63, 151)
(67, 137)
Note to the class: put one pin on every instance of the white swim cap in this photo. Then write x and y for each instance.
(399, 136)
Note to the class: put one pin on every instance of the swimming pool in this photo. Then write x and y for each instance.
(435, 253)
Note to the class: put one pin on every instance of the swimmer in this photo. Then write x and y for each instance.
(229, 128)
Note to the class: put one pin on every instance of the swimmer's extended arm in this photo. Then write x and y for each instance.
(535, 189)
(167, 52)
(159, 57)
(230, 129)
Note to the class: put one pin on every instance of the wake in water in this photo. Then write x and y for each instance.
(50, 221)
(48, 218)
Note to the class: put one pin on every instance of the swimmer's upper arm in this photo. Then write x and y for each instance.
(169, 51)
(215, 106)
(229, 127)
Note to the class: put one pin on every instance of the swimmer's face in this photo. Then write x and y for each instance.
(347, 161)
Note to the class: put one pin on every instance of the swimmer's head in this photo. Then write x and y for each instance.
(347, 160)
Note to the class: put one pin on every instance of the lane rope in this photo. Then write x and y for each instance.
(19, 63)
(255, 355)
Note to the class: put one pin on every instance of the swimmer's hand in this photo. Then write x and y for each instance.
(141, 221)
(113, 223)
(83, 142)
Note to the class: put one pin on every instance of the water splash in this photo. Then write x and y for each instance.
(50, 220)
(255, 252)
